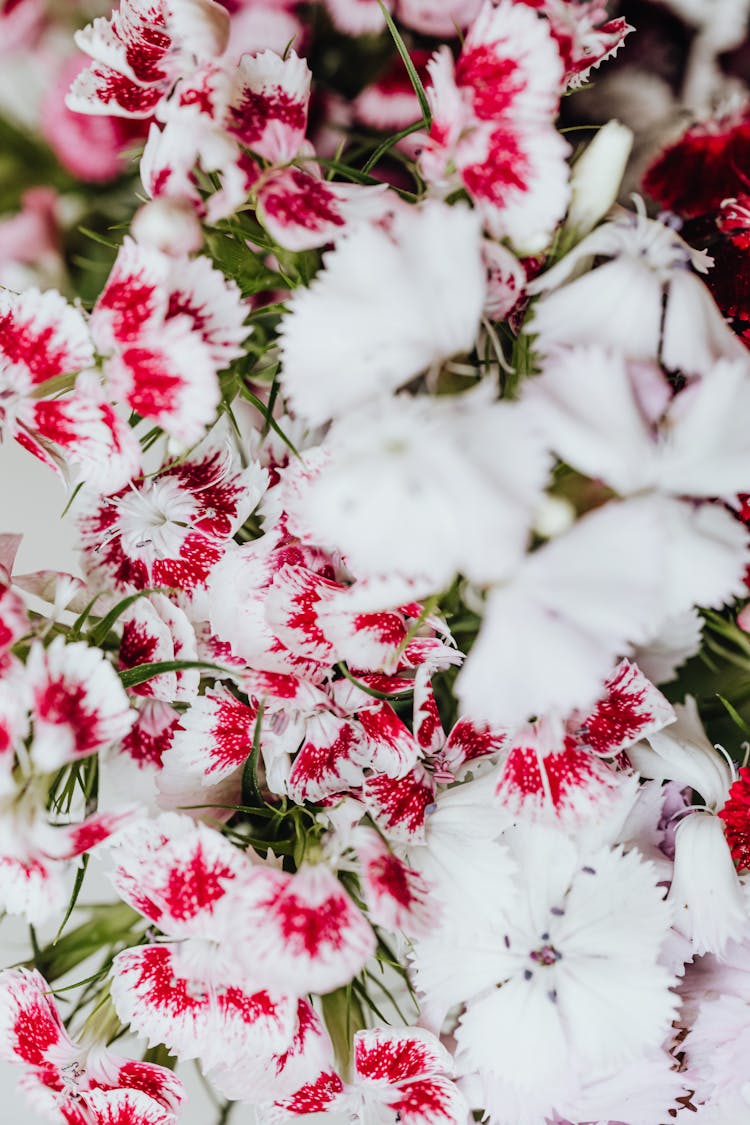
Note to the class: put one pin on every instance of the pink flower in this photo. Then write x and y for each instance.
(141, 50)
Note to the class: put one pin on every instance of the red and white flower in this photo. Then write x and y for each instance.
(169, 324)
(77, 703)
(140, 52)
(187, 990)
(398, 1074)
(308, 936)
(492, 123)
(44, 343)
(171, 529)
(156, 630)
(82, 1083)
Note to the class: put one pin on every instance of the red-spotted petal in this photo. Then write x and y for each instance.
(292, 607)
(151, 734)
(391, 746)
(213, 306)
(134, 298)
(154, 629)
(325, 1093)
(397, 897)
(157, 1082)
(399, 805)
(170, 379)
(124, 1107)
(468, 742)
(308, 936)
(215, 736)
(631, 709)
(331, 760)
(84, 431)
(268, 111)
(566, 783)
(309, 1054)
(177, 874)
(42, 333)
(183, 995)
(14, 619)
(78, 703)
(70, 841)
(31, 1030)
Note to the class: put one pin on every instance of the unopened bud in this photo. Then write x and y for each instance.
(168, 225)
(597, 176)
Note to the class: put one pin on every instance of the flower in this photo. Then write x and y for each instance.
(577, 941)
(83, 1082)
(424, 279)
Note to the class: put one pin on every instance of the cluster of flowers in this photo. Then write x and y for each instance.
(399, 496)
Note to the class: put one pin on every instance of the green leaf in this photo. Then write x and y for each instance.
(102, 629)
(131, 677)
(251, 794)
(343, 1015)
(80, 875)
(734, 715)
(389, 142)
(261, 407)
(411, 70)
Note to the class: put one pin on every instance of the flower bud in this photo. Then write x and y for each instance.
(705, 893)
(168, 225)
(596, 176)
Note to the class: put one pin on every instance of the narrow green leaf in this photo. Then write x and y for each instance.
(102, 629)
(734, 714)
(411, 70)
(131, 677)
(270, 420)
(389, 142)
(250, 788)
(80, 875)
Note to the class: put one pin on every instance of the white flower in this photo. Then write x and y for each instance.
(426, 488)
(681, 752)
(619, 304)
(388, 304)
(707, 895)
(568, 978)
(550, 635)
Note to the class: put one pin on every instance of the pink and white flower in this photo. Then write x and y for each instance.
(140, 52)
(308, 934)
(171, 529)
(187, 990)
(77, 703)
(83, 1082)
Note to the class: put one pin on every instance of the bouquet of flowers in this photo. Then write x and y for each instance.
(404, 695)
